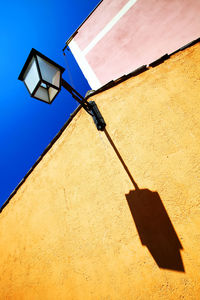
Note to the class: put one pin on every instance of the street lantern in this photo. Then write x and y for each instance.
(43, 79)
(41, 76)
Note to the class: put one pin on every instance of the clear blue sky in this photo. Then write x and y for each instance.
(27, 126)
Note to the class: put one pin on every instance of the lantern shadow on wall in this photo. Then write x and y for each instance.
(155, 228)
(153, 224)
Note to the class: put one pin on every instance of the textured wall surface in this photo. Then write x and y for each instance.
(115, 214)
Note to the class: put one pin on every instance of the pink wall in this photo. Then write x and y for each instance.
(148, 30)
(97, 21)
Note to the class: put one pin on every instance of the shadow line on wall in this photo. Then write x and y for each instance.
(152, 222)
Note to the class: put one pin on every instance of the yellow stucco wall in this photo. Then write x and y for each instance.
(78, 229)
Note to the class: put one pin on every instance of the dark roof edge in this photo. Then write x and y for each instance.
(72, 115)
(141, 69)
(76, 31)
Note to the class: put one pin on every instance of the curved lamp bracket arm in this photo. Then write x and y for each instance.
(90, 107)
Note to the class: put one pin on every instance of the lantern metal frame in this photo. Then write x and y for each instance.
(33, 54)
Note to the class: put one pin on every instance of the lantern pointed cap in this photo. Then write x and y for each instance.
(33, 53)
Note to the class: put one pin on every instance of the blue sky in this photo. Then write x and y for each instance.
(26, 125)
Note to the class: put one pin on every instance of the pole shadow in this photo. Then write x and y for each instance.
(152, 222)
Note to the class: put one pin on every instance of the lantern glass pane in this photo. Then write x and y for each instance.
(31, 76)
(42, 94)
(52, 93)
(49, 72)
